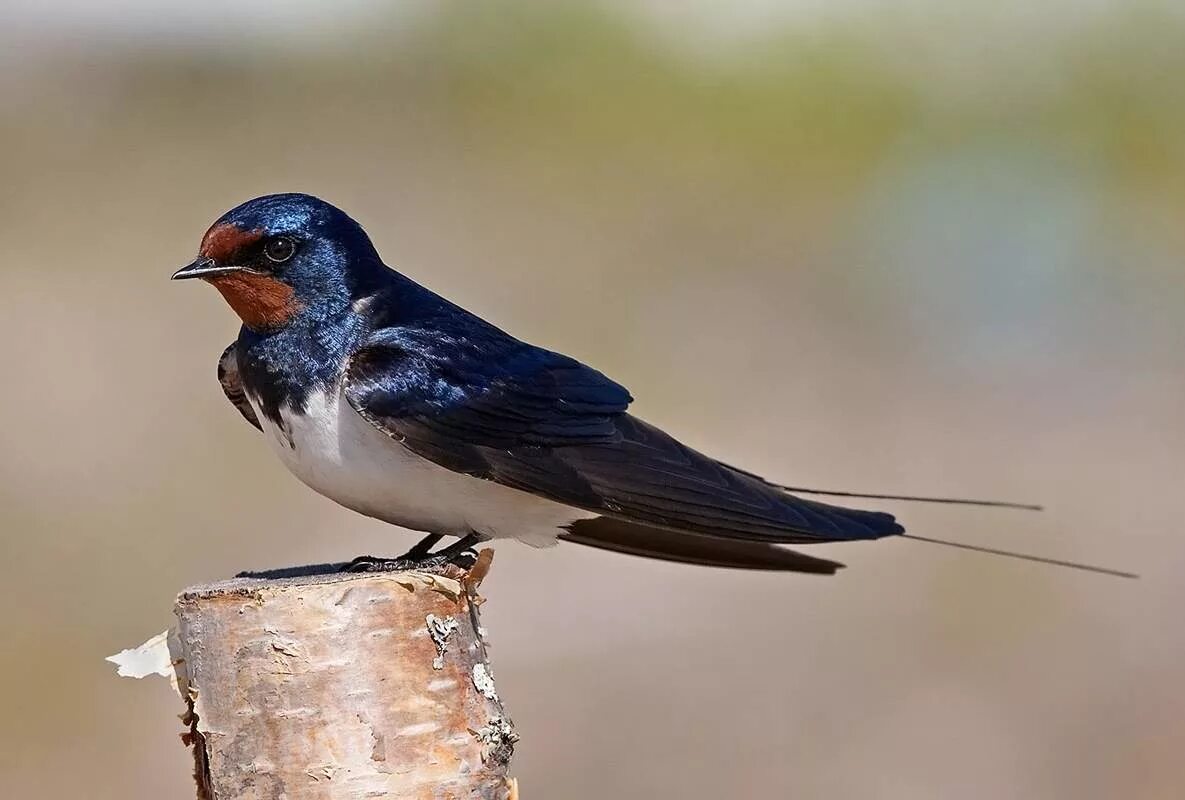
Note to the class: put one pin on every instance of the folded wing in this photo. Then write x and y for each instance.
(232, 385)
(546, 424)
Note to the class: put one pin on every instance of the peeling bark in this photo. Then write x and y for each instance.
(335, 686)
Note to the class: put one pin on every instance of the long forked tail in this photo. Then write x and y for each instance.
(679, 524)
(962, 501)
(950, 501)
(1057, 562)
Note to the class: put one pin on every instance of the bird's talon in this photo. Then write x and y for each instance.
(464, 559)
(374, 564)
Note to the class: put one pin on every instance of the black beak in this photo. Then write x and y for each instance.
(202, 268)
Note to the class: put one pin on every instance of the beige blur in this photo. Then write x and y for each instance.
(925, 253)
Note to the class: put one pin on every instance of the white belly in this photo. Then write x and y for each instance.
(337, 453)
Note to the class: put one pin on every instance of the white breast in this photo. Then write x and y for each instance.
(336, 452)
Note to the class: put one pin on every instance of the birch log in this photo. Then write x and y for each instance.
(335, 686)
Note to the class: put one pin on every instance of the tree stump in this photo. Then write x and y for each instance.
(320, 684)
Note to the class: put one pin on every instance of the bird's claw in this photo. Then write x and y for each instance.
(375, 564)
(464, 559)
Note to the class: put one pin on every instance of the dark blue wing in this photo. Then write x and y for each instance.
(232, 384)
(493, 393)
(543, 423)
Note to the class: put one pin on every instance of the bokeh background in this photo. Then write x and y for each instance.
(900, 246)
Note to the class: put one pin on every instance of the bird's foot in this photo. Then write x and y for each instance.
(376, 564)
(431, 563)
(459, 554)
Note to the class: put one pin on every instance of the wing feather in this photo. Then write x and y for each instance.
(232, 384)
(605, 533)
(546, 424)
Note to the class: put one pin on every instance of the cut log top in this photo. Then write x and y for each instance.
(312, 683)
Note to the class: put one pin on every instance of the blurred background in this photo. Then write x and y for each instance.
(920, 247)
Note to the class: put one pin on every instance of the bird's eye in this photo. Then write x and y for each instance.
(279, 250)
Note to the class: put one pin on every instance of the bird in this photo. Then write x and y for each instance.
(400, 405)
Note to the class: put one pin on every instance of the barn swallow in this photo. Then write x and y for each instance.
(397, 404)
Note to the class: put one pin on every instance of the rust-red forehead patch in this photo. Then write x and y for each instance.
(223, 242)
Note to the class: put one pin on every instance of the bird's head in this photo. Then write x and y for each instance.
(284, 257)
